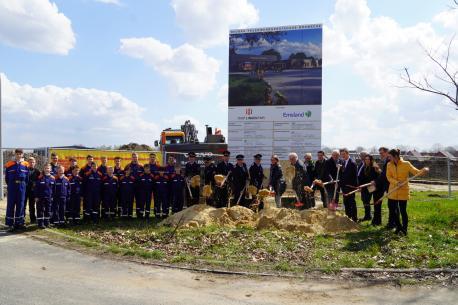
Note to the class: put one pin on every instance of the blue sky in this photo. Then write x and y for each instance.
(172, 65)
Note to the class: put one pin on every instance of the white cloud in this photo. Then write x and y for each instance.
(448, 19)
(50, 115)
(223, 95)
(114, 2)
(376, 49)
(35, 25)
(189, 70)
(207, 22)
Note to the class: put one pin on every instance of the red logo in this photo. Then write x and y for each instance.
(248, 111)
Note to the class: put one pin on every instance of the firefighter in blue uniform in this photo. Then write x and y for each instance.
(209, 178)
(83, 171)
(240, 177)
(43, 192)
(127, 193)
(61, 194)
(177, 182)
(93, 191)
(109, 192)
(135, 170)
(161, 206)
(222, 192)
(146, 187)
(74, 203)
(103, 166)
(169, 169)
(192, 169)
(257, 172)
(16, 176)
(118, 172)
(154, 168)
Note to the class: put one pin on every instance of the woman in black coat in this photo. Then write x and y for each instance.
(370, 172)
(275, 178)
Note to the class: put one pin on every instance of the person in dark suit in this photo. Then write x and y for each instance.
(240, 177)
(222, 192)
(330, 174)
(319, 169)
(275, 178)
(257, 172)
(349, 180)
(382, 185)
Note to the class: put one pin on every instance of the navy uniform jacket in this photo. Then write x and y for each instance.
(44, 187)
(54, 169)
(209, 174)
(16, 171)
(135, 168)
(224, 169)
(61, 188)
(75, 186)
(240, 176)
(102, 169)
(349, 175)
(256, 175)
(191, 169)
(69, 172)
(154, 168)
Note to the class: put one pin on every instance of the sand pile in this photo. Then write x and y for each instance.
(202, 215)
(316, 221)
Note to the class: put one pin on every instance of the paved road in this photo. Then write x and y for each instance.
(32, 272)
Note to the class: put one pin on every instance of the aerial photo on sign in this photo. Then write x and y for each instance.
(278, 66)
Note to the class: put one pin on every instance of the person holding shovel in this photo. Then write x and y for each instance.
(397, 173)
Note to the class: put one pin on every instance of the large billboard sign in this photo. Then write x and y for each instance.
(275, 81)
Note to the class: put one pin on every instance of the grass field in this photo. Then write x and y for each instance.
(432, 242)
(243, 89)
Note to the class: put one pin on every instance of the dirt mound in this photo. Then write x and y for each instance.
(202, 215)
(316, 221)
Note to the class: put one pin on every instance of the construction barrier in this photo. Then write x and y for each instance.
(81, 154)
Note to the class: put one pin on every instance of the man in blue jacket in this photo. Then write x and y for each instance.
(16, 177)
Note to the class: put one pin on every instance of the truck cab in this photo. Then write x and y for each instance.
(172, 136)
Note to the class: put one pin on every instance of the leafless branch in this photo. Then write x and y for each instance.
(449, 77)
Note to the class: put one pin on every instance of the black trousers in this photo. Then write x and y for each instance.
(399, 208)
(377, 219)
(221, 196)
(391, 214)
(30, 200)
(350, 207)
(366, 197)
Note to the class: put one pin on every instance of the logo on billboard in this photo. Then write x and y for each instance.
(249, 111)
(305, 114)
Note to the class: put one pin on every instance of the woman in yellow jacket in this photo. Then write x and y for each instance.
(397, 172)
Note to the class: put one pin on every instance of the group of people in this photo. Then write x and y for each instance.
(340, 174)
(54, 195)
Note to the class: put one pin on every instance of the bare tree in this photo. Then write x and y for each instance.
(447, 75)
